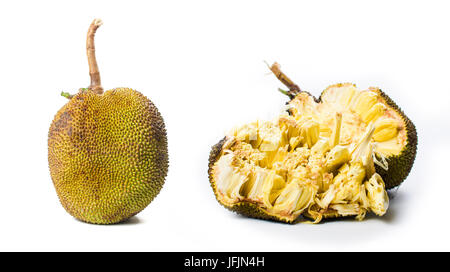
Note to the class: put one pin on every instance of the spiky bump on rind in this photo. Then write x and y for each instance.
(107, 155)
(244, 208)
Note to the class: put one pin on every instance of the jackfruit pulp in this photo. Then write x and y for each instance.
(394, 139)
(358, 110)
(107, 152)
(326, 157)
(286, 169)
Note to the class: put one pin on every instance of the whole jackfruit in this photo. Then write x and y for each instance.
(329, 157)
(107, 152)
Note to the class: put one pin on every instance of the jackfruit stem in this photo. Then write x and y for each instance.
(90, 50)
(293, 88)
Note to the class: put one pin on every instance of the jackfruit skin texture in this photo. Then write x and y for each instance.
(329, 217)
(107, 155)
(400, 165)
(244, 208)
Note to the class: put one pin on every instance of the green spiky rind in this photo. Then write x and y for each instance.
(107, 155)
(400, 165)
(213, 157)
(327, 217)
(244, 208)
(255, 211)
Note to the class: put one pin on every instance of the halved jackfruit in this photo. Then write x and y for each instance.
(329, 157)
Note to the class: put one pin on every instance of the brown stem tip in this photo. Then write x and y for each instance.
(293, 88)
(94, 73)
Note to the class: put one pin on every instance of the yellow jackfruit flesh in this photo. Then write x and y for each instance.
(310, 179)
(394, 139)
(107, 152)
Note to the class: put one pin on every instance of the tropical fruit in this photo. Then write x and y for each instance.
(329, 157)
(107, 151)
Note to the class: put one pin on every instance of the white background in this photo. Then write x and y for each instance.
(201, 63)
